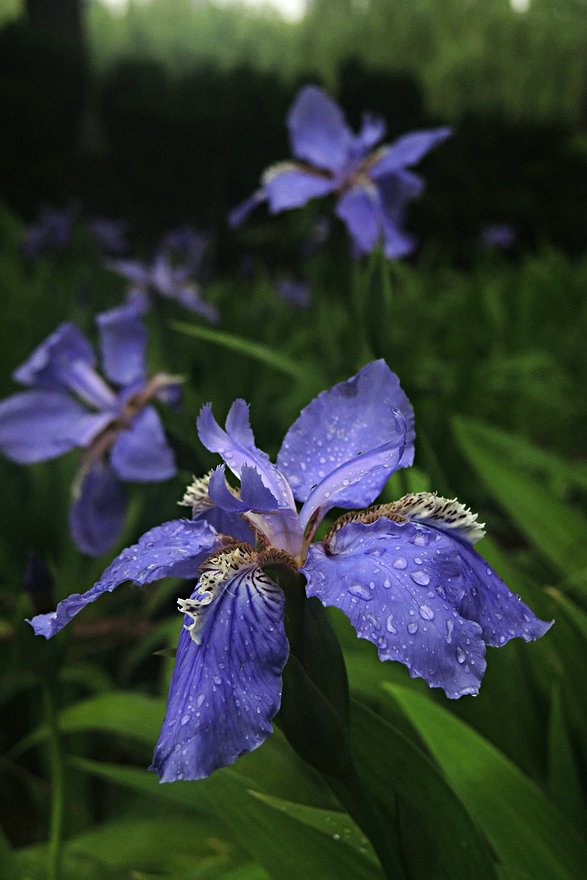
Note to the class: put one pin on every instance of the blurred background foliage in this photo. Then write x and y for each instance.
(165, 115)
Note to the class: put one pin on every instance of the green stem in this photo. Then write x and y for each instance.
(57, 781)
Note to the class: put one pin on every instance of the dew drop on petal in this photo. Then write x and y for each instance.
(400, 563)
(412, 627)
(360, 591)
(389, 625)
(184, 719)
(420, 577)
(426, 612)
(460, 654)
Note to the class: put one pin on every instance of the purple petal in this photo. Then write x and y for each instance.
(352, 418)
(123, 342)
(253, 494)
(132, 270)
(409, 149)
(318, 131)
(189, 297)
(501, 613)
(372, 131)
(96, 517)
(400, 584)
(239, 214)
(66, 360)
(226, 687)
(292, 189)
(230, 524)
(173, 549)
(40, 425)
(358, 209)
(237, 447)
(141, 452)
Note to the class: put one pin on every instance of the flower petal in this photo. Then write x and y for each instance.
(352, 418)
(399, 584)
(141, 452)
(123, 342)
(237, 447)
(409, 149)
(317, 129)
(253, 494)
(239, 214)
(96, 517)
(40, 425)
(66, 360)
(173, 549)
(292, 189)
(188, 296)
(134, 271)
(359, 210)
(226, 686)
(371, 132)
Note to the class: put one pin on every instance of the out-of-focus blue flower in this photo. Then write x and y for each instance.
(51, 232)
(189, 246)
(498, 235)
(405, 573)
(372, 184)
(294, 292)
(162, 278)
(70, 405)
(109, 235)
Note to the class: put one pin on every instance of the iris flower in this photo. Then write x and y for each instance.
(372, 184)
(404, 573)
(70, 405)
(162, 278)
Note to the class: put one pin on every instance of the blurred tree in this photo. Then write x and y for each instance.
(62, 17)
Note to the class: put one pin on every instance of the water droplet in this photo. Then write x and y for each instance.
(185, 719)
(387, 583)
(460, 654)
(389, 625)
(400, 562)
(426, 612)
(360, 591)
(412, 627)
(217, 679)
(200, 700)
(449, 628)
(417, 560)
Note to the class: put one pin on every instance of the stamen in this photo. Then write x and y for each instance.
(368, 516)
(196, 494)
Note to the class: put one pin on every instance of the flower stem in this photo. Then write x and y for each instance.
(57, 780)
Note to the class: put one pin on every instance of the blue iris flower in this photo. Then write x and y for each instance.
(372, 183)
(71, 406)
(404, 573)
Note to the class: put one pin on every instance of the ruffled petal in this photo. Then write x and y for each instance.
(226, 684)
(123, 342)
(237, 447)
(409, 149)
(317, 129)
(400, 584)
(173, 549)
(501, 613)
(350, 419)
(372, 131)
(253, 494)
(96, 517)
(292, 189)
(359, 211)
(141, 452)
(40, 425)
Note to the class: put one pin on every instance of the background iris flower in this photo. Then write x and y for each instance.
(372, 184)
(70, 405)
(404, 573)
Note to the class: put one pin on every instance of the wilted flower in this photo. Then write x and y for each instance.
(372, 185)
(404, 573)
(70, 405)
(164, 279)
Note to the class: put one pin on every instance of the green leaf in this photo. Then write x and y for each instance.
(126, 714)
(555, 529)
(251, 349)
(286, 847)
(527, 832)
(563, 772)
(7, 859)
(452, 843)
